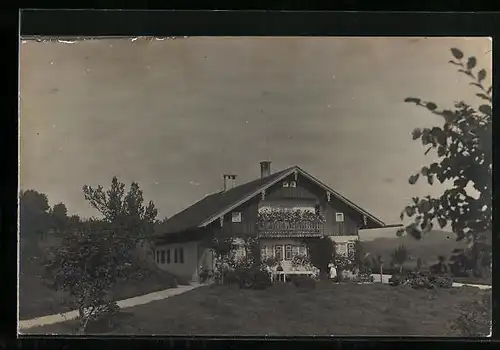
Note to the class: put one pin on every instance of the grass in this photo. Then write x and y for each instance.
(36, 300)
(284, 310)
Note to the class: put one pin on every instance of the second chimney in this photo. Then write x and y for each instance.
(265, 169)
(229, 181)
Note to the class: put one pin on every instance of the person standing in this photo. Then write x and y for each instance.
(333, 271)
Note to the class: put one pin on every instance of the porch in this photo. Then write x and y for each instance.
(289, 254)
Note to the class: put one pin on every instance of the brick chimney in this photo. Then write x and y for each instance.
(265, 169)
(229, 181)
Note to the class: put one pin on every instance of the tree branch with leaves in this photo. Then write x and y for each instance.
(463, 146)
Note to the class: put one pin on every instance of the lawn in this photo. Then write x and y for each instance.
(36, 300)
(284, 310)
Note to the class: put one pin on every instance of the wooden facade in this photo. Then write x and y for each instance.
(303, 191)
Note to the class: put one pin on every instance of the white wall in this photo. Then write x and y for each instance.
(194, 257)
(341, 242)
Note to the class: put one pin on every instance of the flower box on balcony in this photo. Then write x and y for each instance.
(290, 223)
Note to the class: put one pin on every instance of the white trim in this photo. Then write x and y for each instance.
(293, 170)
(236, 216)
(247, 198)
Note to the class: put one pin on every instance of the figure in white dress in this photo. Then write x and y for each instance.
(333, 271)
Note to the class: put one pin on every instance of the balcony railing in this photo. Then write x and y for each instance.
(284, 228)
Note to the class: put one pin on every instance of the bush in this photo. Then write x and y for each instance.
(301, 281)
(363, 276)
(421, 280)
(442, 281)
(205, 274)
(252, 278)
(475, 318)
(397, 280)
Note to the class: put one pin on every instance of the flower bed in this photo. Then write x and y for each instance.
(421, 280)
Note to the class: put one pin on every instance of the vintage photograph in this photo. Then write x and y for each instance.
(264, 186)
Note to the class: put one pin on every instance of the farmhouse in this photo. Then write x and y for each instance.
(281, 209)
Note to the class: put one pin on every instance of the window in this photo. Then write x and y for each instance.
(302, 250)
(236, 217)
(278, 252)
(293, 183)
(175, 256)
(288, 252)
(339, 217)
(285, 184)
(162, 260)
(341, 248)
(157, 256)
(350, 247)
(168, 256)
(267, 251)
(181, 255)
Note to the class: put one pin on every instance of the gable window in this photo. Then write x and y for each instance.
(181, 255)
(236, 217)
(175, 256)
(162, 260)
(168, 256)
(288, 252)
(278, 252)
(285, 183)
(339, 217)
(293, 183)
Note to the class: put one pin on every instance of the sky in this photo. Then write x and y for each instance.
(174, 115)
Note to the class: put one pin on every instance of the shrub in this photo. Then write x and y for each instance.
(475, 318)
(397, 280)
(364, 275)
(421, 280)
(252, 278)
(205, 274)
(442, 281)
(306, 282)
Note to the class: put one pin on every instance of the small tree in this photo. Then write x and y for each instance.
(360, 257)
(87, 265)
(95, 256)
(380, 263)
(222, 248)
(464, 148)
(399, 257)
(59, 214)
(419, 264)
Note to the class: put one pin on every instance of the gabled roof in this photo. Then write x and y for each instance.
(213, 206)
(209, 206)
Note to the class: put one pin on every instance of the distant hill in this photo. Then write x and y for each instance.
(435, 243)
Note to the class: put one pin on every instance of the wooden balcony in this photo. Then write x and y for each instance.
(303, 228)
